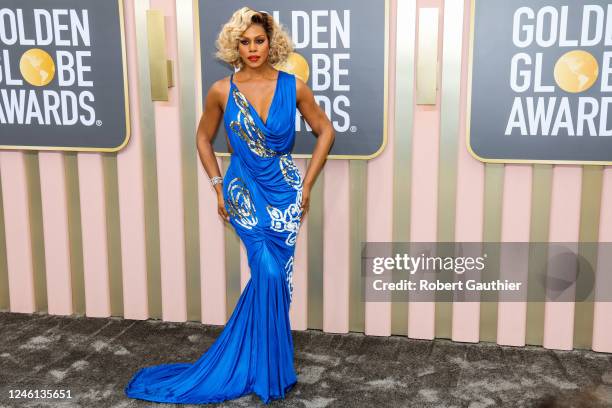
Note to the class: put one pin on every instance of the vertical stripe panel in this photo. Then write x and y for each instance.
(93, 224)
(211, 226)
(17, 230)
(113, 233)
(602, 310)
(56, 236)
(592, 177)
(516, 208)
(36, 229)
(186, 83)
(448, 92)
(564, 227)
(470, 182)
(298, 311)
(493, 193)
(357, 235)
(424, 194)
(404, 116)
(380, 181)
(111, 187)
(149, 159)
(4, 281)
(315, 253)
(131, 190)
(212, 250)
(450, 103)
(336, 247)
(75, 232)
(169, 179)
(540, 221)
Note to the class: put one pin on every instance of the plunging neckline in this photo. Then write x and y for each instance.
(251, 105)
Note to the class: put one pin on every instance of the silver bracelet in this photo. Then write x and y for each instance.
(216, 180)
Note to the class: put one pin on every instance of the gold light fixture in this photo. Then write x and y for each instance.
(160, 67)
(427, 63)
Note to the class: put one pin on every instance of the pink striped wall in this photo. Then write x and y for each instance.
(602, 331)
(168, 149)
(424, 195)
(379, 200)
(17, 231)
(564, 227)
(56, 236)
(336, 247)
(131, 191)
(425, 138)
(516, 207)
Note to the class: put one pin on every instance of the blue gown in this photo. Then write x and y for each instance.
(262, 189)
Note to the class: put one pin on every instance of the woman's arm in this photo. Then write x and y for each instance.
(209, 122)
(323, 129)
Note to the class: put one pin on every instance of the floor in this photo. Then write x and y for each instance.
(93, 358)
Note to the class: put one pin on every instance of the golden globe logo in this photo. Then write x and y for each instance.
(576, 71)
(37, 67)
(60, 76)
(296, 64)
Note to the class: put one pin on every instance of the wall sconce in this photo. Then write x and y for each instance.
(427, 63)
(160, 67)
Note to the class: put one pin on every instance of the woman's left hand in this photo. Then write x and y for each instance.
(305, 206)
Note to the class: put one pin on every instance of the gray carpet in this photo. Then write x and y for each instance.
(94, 358)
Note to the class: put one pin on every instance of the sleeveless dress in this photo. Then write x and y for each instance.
(262, 189)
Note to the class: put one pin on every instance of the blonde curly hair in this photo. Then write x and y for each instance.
(227, 41)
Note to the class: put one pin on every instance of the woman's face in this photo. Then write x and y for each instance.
(253, 46)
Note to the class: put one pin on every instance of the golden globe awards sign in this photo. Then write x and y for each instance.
(541, 81)
(342, 61)
(63, 83)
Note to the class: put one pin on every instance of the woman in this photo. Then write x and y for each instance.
(265, 200)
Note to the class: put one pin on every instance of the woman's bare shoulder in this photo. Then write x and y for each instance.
(299, 84)
(301, 89)
(221, 85)
(220, 89)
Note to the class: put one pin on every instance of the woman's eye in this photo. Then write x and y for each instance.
(260, 41)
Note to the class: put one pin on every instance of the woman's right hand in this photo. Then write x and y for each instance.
(221, 207)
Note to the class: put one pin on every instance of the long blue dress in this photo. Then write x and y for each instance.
(262, 189)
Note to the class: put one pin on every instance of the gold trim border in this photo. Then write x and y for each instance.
(469, 115)
(128, 131)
